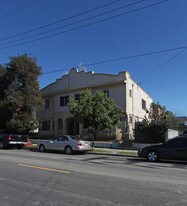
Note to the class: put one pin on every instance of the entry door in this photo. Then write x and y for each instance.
(72, 127)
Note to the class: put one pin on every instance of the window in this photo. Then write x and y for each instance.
(106, 92)
(47, 103)
(130, 93)
(175, 143)
(60, 124)
(77, 97)
(64, 100)
(130, 119)
(143, 104)
(46, 125)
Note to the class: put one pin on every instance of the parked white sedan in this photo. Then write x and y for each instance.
(66, 143)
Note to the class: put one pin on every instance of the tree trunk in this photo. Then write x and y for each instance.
(93, 139)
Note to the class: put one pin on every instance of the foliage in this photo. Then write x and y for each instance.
(155, 125)
(98, 111)
(159, 115)
(20, 95)
(151, 133)
(3, 85)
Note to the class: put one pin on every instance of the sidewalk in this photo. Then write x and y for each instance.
(114, 152)
(103, 148)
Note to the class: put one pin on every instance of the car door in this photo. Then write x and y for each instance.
(183, 150)
(173, 149)
(62, 142)
(52, 144)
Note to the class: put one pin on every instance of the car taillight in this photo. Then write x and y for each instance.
(9, 137)
(79, 144)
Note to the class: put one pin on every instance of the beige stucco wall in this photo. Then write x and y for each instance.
(134, 103)
(80, 80)
(47, 113)
(74, 82)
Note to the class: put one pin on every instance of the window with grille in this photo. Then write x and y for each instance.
(64, 100)
(46, 125)
(47, 103)
(130, 93)
(143, 104)
(77, 97)
(106, 92)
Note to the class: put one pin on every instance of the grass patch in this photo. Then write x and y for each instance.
(134, 154)
(117, 152)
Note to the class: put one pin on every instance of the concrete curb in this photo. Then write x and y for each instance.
(112, 154)
(104, 151)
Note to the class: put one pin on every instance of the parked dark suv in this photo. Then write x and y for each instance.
(174, 149)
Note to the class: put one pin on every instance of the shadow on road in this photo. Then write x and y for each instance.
(116, 160)
(161, 163)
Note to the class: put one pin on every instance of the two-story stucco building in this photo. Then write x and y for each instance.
(55, 117)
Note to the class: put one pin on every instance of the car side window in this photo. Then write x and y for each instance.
(54, 138)
(63, 138)
(175, 143)
(185, 142)
(59, 139)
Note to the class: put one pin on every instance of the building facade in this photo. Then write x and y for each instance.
(55, 117)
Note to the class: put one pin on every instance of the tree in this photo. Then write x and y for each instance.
(97, 110)
(3, 86)
(22, 96)
(160, 115)
(155, 125)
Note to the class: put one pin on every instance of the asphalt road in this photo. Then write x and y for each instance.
(34, 178)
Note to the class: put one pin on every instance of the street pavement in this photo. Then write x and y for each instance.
(35, 178)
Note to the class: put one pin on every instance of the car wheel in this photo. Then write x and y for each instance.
(42, 148)
(68, 150)
(152, 156)
(19, 146)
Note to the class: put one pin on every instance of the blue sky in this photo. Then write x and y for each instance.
(149, 29)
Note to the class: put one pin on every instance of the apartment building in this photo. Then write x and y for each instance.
(55, 117)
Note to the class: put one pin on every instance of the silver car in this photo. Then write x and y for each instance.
(66, 143)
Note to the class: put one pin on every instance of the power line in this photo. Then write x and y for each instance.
(162, 66)
(127, 57)
(3, 3)
(86, 25)
(20, 9)
(58, 28)
(137, 55)
(59, 21)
